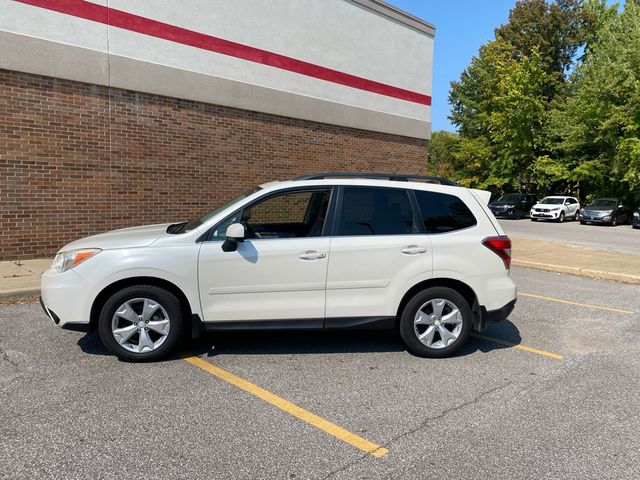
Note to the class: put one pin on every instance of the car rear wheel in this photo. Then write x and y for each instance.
(141, 323)
(436, 322)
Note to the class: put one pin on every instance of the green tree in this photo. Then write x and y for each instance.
(515, 124)
(554, 31)
(599, 126)
(441, 160)
(502, 101)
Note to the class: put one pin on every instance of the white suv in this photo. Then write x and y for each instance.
(326, 251)
(555, 208)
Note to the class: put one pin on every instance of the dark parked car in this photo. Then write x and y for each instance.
(636, 218)
(608, 211)
(513, 205)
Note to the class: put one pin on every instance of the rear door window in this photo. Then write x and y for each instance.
(375, 211)
(443, 213)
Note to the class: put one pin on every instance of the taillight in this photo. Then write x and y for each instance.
(501, 246)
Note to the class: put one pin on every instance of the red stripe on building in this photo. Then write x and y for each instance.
(172, 33)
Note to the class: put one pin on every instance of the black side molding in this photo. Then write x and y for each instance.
(303, 324)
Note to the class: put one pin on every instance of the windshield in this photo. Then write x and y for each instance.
(209, 215)
(552, 201)
(511, 197)
(603, 203)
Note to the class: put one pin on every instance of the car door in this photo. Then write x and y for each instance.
(377, 248)
(568, 208)
(278, 273)
(622, 213)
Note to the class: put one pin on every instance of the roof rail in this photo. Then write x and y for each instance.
(398, 177)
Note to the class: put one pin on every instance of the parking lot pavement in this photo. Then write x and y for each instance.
(622, 238)
(69, 410)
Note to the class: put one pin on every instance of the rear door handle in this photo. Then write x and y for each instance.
(312, 255)
(413, 250)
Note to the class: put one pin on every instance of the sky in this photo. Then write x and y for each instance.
(462, 26)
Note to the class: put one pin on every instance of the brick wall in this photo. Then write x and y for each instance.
(78, 159)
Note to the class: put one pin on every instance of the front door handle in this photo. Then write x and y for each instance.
(312, 255)
(413, 250)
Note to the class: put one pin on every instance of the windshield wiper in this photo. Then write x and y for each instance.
(176, 227)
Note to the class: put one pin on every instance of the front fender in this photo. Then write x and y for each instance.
(174, 264)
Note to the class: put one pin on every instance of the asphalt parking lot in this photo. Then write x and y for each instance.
(621, 238)
(563, 404)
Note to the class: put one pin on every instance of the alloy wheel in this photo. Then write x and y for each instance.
(140, 325)
(438, 323)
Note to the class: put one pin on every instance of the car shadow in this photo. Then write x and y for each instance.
(332, 342)
(304, 343)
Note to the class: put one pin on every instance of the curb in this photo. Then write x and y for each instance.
(18, 293)
(579, 271)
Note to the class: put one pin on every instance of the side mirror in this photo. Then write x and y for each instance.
(235, 235)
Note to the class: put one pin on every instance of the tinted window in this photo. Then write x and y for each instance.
(511, 197)
(603, 203)
(375, 211)
(443, 213)
(551, 201)
(288, 215)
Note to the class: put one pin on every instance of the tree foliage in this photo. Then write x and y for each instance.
(598, 128)
(552, 104)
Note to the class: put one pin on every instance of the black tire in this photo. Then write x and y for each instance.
(534, 219)
(408, 332)
(582, 223)
(614, 221)
(561, 217)
(167, 300)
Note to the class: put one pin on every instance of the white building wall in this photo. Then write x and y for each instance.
(347, 36)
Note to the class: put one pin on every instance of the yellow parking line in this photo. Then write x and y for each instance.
(585, 305)
(292, 409)
(499, 341)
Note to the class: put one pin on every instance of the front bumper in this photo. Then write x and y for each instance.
(595, 220)
(511, 213)
(484, 319)
(546, 215)
(65, 298)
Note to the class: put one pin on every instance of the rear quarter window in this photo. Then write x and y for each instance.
(443, 213)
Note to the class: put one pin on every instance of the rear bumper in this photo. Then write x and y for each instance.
(485, 318)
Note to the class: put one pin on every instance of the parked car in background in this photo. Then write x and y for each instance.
(607, 211)
(636, 218)
(513, 205)
(555, 208)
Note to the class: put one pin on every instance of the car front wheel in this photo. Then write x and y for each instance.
(436, 322)
(141, 323)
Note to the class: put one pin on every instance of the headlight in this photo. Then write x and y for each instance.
(556, 208)
(67, 260)
(636, 214)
